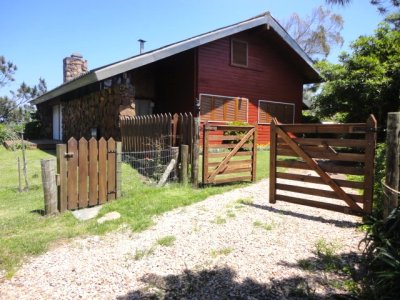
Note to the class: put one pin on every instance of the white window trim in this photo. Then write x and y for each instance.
(230, 97)
(278, 102)
(247, 53)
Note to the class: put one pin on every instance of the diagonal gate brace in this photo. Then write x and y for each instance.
(227, 158)
(314, 165)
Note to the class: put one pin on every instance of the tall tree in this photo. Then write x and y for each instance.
(365, 81)
(17, 108)
(7, 71)
(316, 33)
(384, 6)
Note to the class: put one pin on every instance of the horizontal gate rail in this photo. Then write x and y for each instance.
(229, 153)
(324, 156)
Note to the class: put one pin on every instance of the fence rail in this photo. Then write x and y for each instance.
(328, 155)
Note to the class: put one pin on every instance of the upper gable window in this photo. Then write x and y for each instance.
(239, 53)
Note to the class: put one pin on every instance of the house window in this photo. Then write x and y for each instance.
(222, 108)
(284, 112)
(239, 53)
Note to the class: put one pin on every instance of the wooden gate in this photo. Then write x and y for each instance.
(229, 153)
(336, 159)
(88, 172)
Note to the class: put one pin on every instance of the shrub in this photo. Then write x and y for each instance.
(380, 158)
(382, 256)
(9, 131)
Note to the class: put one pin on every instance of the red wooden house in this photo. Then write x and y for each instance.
(245, 72)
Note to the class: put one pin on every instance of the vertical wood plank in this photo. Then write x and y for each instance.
(195, 155)
(272, 163)
(254, 156)
(62, 171)
(118, 170)
(370, 136)
(174, 129)
(111, 161)
(93, 173)
(102, 171)
(72, 174)
(205, 154)
(83, 173)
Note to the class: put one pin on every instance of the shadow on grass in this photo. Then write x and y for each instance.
(220, 283)
(337, 223)
(38, 211)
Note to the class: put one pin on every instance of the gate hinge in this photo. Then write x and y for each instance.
(69, 154)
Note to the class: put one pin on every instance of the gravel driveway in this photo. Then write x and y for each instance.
(231, 246)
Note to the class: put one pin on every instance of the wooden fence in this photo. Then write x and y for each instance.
(229, 154)
(89, 173)
(326, 159)
(144, 133)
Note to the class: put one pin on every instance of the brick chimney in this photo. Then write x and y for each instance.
(74, 66)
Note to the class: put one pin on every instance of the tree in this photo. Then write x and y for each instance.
(383, 5)
(17, 108)
(316, 33)
(363, 82)
(7, 71)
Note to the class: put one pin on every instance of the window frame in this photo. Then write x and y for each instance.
(247, 53)
(229, 97)
(277, 102)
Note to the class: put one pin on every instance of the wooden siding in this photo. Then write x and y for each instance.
(269, 75)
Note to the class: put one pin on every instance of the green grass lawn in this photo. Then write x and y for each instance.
(24, 231)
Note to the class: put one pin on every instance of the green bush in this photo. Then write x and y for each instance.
(9, 131)
(308, 118)
(382, 256)
(380, 160)
(33, 128)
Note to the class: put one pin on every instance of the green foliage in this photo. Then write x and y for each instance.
(380, 161)
(10, 131)
(364, 82)
(7, 71)
(382, 255)
(307, 117)
(218, 252)
(265, 226)
(166, 241)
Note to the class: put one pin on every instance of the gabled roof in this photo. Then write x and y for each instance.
(134, 62)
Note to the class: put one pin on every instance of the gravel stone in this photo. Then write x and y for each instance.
(208, 260)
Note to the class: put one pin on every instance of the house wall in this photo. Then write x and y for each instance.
(269, 76)
(175, 83)
(90, 107)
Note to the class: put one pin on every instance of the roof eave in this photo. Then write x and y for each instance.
(65, 88)
(147, 58)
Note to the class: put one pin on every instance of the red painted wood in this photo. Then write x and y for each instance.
(271, 75)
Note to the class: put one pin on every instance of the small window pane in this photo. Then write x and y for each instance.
(239, 53)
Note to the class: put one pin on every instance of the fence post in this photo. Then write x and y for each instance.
(61, 150)
(272, 163)
(19, 175)
(175, 155)
(184, 164)
(195, 156)
(49, 185)
(118, 170)
(370, 137)
(392, 162)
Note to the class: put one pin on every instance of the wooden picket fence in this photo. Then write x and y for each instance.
(88, 173)
(146, 133)
(325, 158)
